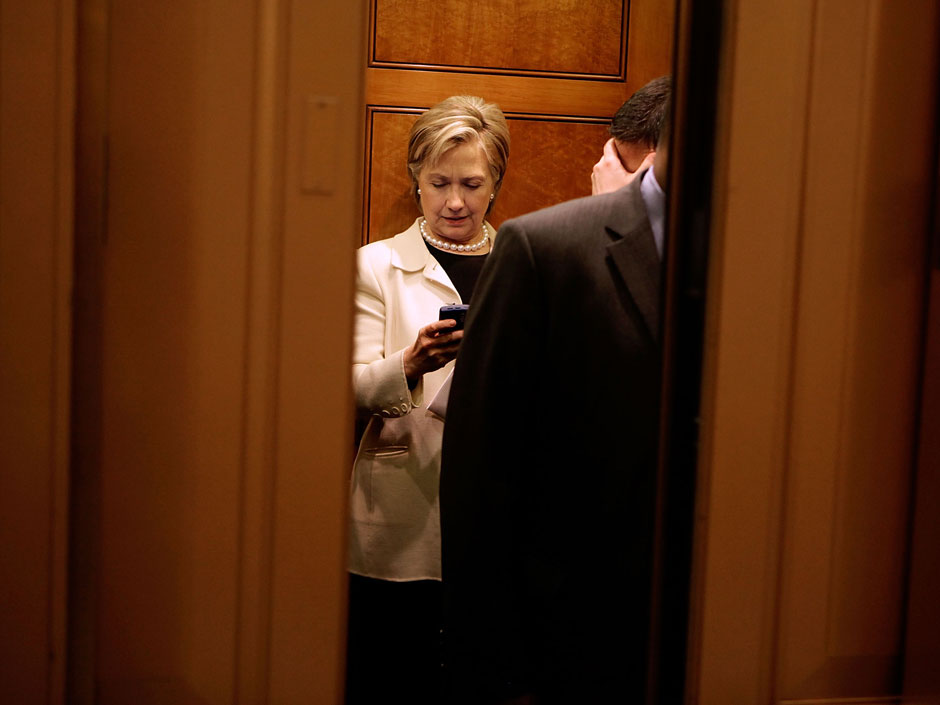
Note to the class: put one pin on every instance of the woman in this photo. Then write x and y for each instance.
(457, 155)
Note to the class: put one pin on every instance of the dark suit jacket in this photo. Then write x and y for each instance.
(549, 458)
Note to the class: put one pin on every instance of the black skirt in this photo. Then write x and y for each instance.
(394, 642)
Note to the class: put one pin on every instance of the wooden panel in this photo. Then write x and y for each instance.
(257, 520)
(173, 350)
(650, 41)
(91, 129)
(315, 407)
(816, 297)
(527, 78)
(36, 179)
(534, 179)
(223, 472)
(890, 700)
(747, 361)
(520, 94)
(389, 207)
(222, 575)
(539, 36)
(857, 351)
(550, 162)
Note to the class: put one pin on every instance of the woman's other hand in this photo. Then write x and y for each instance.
(435, 346)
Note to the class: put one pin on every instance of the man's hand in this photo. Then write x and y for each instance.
(609, 174)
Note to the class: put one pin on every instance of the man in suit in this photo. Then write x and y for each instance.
(549, 456)
(634, 133)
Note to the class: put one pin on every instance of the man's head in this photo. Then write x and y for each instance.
(637, 124)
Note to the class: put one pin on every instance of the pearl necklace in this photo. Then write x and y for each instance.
(449, 245)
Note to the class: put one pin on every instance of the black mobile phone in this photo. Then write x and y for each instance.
(458, 312)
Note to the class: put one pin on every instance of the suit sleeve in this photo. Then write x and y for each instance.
(483, 465)
(379, 381)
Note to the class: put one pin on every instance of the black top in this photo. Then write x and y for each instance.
(463, 270)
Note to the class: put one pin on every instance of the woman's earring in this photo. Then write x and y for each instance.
(492, 195)
(419, 193)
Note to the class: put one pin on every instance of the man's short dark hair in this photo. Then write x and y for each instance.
(641, 118)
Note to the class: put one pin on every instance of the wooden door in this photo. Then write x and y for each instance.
(37, 91)
(817, 294)
(210, 560)
(558, 69)
(922, 629)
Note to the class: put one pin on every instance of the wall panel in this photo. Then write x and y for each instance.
(324, 57)
(535, 177)
(37, 93)
(219, 514)
(856, 354)
(173, 303)
(530, 58)
(535, 36)
(817, 299)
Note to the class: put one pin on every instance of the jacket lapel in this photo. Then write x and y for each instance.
(410, 254)
(634, 256)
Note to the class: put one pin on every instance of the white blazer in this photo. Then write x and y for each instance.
(395, 529)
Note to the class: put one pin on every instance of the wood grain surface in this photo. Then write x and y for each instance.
(550, 161)
(559, 70)
(542, 36)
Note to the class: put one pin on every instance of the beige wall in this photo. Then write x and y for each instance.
(214, 320)
(225, 297)
(825, 159)
(36, 94)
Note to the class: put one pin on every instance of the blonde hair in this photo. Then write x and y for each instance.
(458, 120)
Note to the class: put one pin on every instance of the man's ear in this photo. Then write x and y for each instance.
(631, 154)
(661, 165)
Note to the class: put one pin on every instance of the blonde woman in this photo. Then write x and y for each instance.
(457, 156)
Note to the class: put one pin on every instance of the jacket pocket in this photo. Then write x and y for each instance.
(378, 460)
(385, 451)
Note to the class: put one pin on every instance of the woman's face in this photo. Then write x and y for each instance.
(455, 192)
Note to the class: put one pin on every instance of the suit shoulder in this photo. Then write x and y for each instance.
(586, 214)
(373, 252)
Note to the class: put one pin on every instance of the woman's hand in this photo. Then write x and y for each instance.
(433, 348)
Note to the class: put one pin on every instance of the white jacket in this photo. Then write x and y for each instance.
(394, 515)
